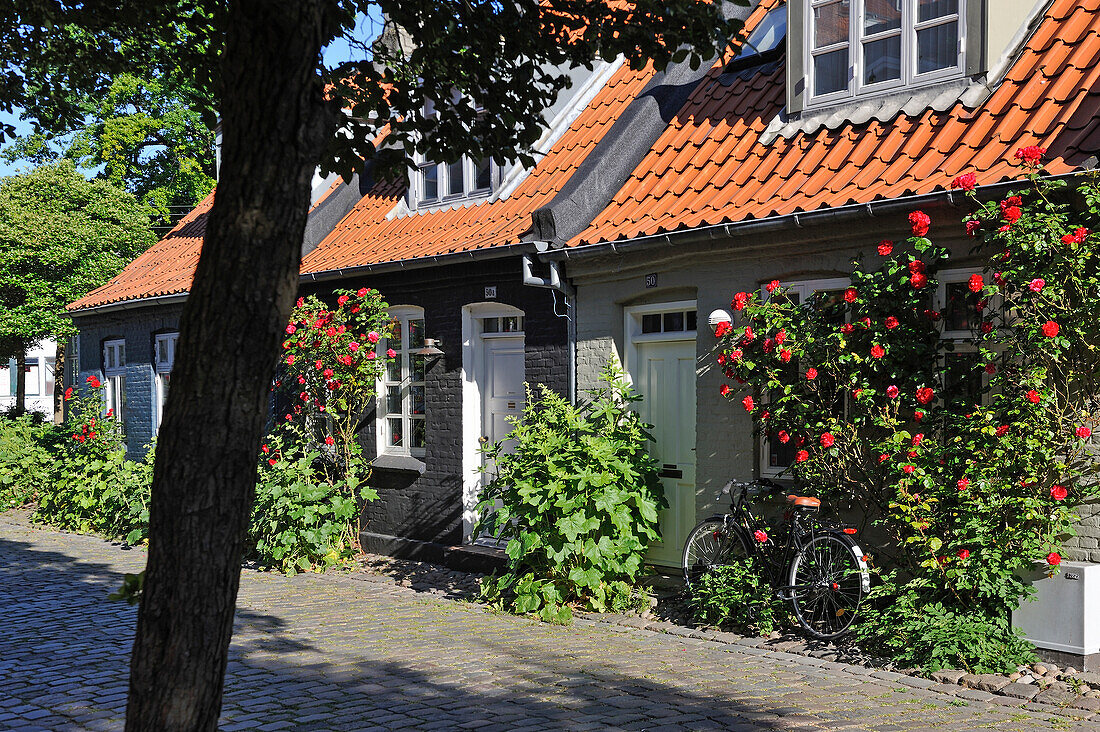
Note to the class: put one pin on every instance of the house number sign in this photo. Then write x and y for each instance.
(490, 292)
(651, 280)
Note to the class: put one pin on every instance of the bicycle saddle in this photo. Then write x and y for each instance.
(804, 502)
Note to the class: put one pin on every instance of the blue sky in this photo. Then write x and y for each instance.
(340, 50)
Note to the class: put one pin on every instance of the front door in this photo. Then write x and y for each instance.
(502, 391)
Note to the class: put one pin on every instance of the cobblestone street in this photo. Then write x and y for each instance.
(350, 652)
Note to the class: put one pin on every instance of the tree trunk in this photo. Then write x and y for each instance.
(274, 127)
(20, 383)
(59, 383)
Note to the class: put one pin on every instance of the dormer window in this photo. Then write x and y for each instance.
(855, 48)
(432, 184)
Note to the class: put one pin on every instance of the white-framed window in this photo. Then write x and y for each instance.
(863, 47)
(961, 313)
(401, 420)
(826, 294)
(432, 183)
(164, 358)
(114, 378)
(765, 41)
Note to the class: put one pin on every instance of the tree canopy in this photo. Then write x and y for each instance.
(61, 236)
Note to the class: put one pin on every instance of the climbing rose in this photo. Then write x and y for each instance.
(885, 247)
(990, 368)
(1002, 430)
(345, 359)
(749, 336)
(1077, 237)
(966, 181)
(329, 440)
(290, 329)
(721, 329)
(925, 394)
(932, 315)
(964, 553)
(783, 437)
(69, 393)
(986, 327)
(972, 227)
(962, 484)
(772, 286)
(976, 284)
(353, 346)
(328, 373)
(1036, 285)
(748, 403)
(917, 439)
(827, 440)
(290, 360)
(877, 351)
(920, 222)
(371, 355)
(907, 469)
(390, 353)
(1054, 559)
(272, 461)
(857, 393)
(735, 355)
(724, 389)
(850, 295)
(883, 457)
(740, 300)
(918, 415)
(916, 266)
(1012, 214)
(1031, 155)
(811, 373)
(94, 381)
(780, 337)
(1058, 493)
(847, 328)
(892, 391)
(1050, 329)
(802, 456)
(342, 300)
(918, 281)
(760, 536)
(785, 355)
(1033, 396)
(768, 345)
(373, 337)
(362, 292)
(1084, 432)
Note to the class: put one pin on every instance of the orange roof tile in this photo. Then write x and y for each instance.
(1050, 97)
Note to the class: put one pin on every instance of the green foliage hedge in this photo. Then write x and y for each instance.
(736, 596)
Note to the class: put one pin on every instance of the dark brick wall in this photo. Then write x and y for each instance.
(138, 327)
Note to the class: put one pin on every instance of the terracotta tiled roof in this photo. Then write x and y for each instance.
(164, 269)
(710, 166)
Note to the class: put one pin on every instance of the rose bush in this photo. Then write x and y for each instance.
(970, 455)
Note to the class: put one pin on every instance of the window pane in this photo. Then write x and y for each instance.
(33, 373)
(959, 312)
(963, 378)
(882, 60)
(830, 303)
(511, 324)
(431, 182)
(417, 363)
(651, 323)
(454, 179)
(691, 320)
(831, 23)
(929, 9)
(937, 47)
(416, 334)
(416, 400)
(51, 365)
(490, 325)
(880, 15)
(395, 339)
(831, 72)
(393, 399)
(674, 322)
(393, 369)
(484, 174)
(771, 31)
(780, 455)
(397, 432)
(417, 426)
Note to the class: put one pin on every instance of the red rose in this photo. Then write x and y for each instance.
(962, 484)
(920, 222)
(986, 327)
(918, 415)
(772, 286)
(342, 300)
(918, 281)
(353, 346)
(966, 181)
(328, 373)
(877, 351)
(883, 458)
(1033, 396)
(373, 337)
(780, 337)
(811, 373)
(783, 437)
(850, 294)
(329, 440)
(1084, 433)
(975, 283)
(290, 360)
(925, 394)
(885, 247)
(891, 322)
(827, 440)
(1050, 329)
(847, 328)
(802, 456)
(390, 353)
(917, 439)
(94, 381)
(857, 393)
(740, 300)
(785, 355)
(1002, 430)
(932, 314)
(290, 329)
(748, 403)
(972, 227)
(736, 354)
(916, 266)
(990, 369)
(892, 391)
(907, 469)
(721, 329)
(749, 336)
(271, 461)
(768, 345)
(362, 292)
(1058, 492)
(911, 454)
(1054, 559)
(1031, 155)
(1012, 214)
(69, 393)
(724, 389)
(760, 536)
(1036, 285)
(964, 553)
(301, 301)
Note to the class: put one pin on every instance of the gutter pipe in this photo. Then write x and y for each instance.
(557, 283)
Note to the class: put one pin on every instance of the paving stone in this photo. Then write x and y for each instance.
(948, 676)
(1020, 691)
(991, 682)
(1057, 697)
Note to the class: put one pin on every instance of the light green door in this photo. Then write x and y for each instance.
(664, 374)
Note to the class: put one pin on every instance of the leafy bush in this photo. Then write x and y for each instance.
(737, 597)
(27, 450)
(577, 499)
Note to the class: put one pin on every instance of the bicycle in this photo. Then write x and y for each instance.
(817, 567)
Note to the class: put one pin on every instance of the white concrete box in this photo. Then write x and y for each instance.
(1063, 618)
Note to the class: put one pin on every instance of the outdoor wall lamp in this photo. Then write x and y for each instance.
(430, 350)
(718, 316)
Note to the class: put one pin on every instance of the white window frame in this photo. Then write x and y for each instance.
(909, 77)
(164, 359)
(401, 315)
(114, 378)
(418, 198)
(805, 289)
(963, 340)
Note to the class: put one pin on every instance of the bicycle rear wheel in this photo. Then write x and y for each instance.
(711, 545)
(827, 581)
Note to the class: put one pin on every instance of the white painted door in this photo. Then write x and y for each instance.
(502, 391)
(665, 375)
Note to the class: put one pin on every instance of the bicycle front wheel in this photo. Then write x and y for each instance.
(710, 545)
(827, 581)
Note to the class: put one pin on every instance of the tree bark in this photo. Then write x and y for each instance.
(20, 383)
(274, 126)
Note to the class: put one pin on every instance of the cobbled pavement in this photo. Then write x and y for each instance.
(359, 652)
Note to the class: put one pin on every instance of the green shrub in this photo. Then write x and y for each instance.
(577, 499)
(736, 597)
(27, 455)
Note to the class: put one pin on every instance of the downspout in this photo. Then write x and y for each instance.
(556, 283)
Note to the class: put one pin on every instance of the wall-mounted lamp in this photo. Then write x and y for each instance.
(430, 350)
(718, 316)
